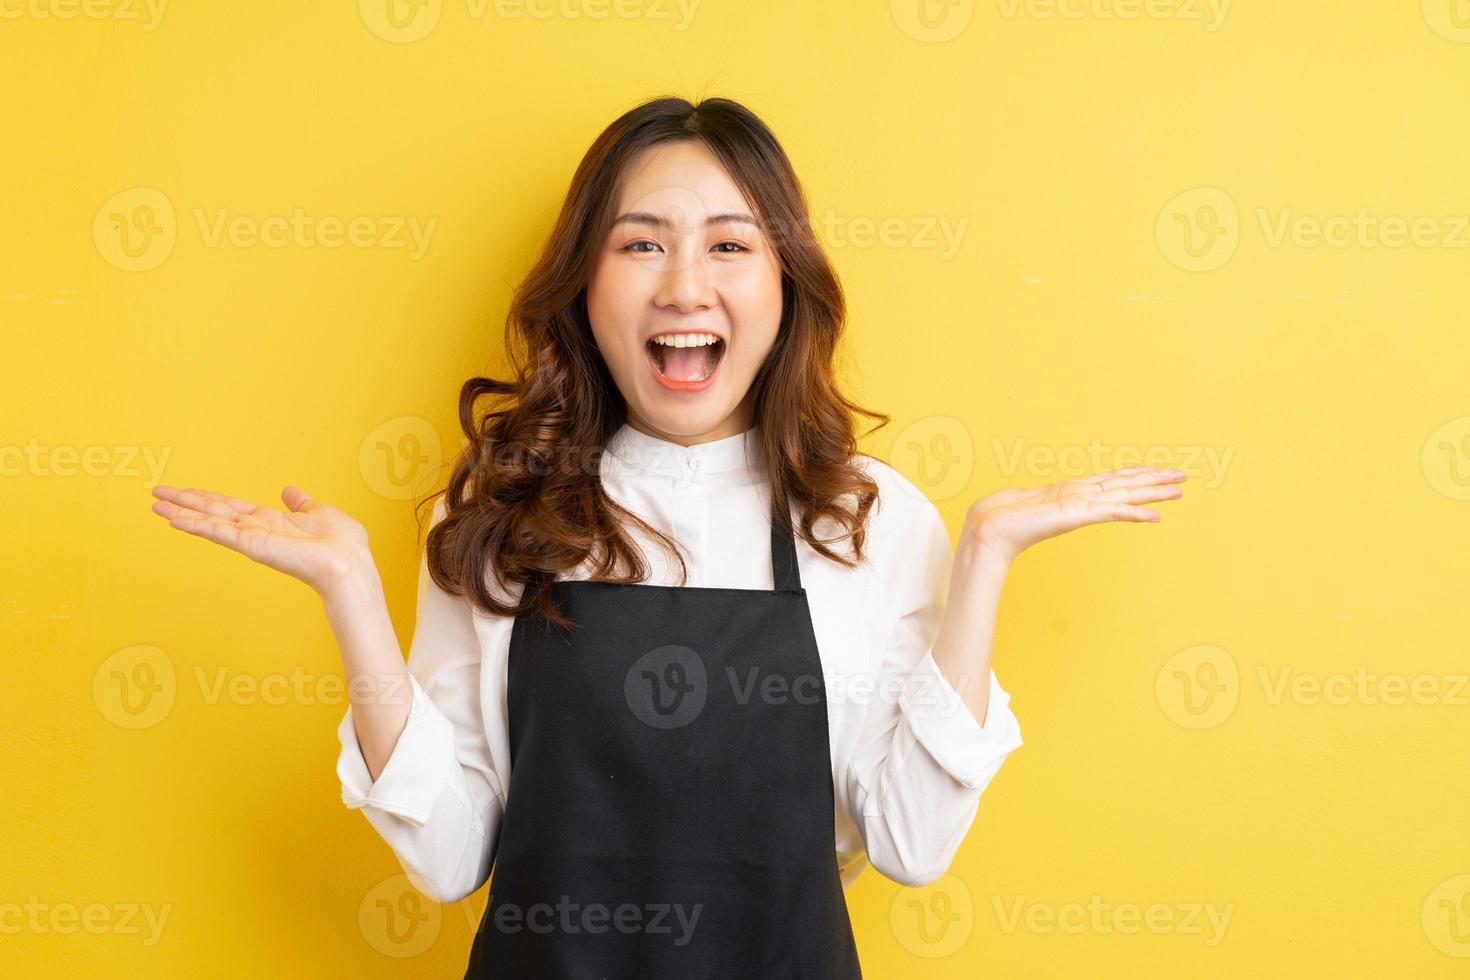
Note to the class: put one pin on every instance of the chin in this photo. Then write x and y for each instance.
(690, 421)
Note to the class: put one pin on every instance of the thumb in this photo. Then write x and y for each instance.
(298, 500)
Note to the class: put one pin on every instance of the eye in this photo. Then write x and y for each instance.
(735, 247)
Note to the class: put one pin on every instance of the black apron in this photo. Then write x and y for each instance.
(670, 814)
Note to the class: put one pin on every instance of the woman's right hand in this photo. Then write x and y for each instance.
(310, 541)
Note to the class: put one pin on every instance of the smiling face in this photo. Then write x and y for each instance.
(685, 298)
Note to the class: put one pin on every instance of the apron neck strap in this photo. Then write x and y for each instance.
(785, 575)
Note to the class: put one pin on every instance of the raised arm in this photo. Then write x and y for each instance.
(415, 755)
(420, 767)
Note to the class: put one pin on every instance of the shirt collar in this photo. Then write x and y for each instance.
(651, 454)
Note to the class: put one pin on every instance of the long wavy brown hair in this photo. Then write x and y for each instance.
(525, 497)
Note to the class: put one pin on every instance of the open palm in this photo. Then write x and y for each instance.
(310, 541)
(1015, 518)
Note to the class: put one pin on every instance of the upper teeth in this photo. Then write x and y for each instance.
(686, 339)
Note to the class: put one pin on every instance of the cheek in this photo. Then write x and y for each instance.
(754, 300)
(611, 309)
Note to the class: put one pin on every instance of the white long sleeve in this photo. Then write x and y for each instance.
(922, 761)
(439, 798)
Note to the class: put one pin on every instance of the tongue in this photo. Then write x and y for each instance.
(685, 363)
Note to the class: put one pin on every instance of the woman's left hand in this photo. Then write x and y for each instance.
(1009, 521)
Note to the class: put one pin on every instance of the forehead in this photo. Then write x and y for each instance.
(678, 178)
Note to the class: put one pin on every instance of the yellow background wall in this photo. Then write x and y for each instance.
(1229, 239)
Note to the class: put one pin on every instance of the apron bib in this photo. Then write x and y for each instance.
(670, 811)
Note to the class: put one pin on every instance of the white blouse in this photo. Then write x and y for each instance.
(909, 760)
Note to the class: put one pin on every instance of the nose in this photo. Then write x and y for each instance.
(685, 285)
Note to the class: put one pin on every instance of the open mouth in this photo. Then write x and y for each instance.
(685, 359)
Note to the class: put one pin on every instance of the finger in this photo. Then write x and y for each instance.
(171, 508)
(1142, 495)
(1111, 473)
(211, 528)
(1103, 511)
(206, 501)
(1148, 476)
(243, 506)
(299, 500)
(232, 518)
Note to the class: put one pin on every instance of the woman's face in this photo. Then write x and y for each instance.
(684, 263)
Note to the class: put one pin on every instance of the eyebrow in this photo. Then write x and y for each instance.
(645, 218)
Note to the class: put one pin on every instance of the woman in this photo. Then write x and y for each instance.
(643, 681)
